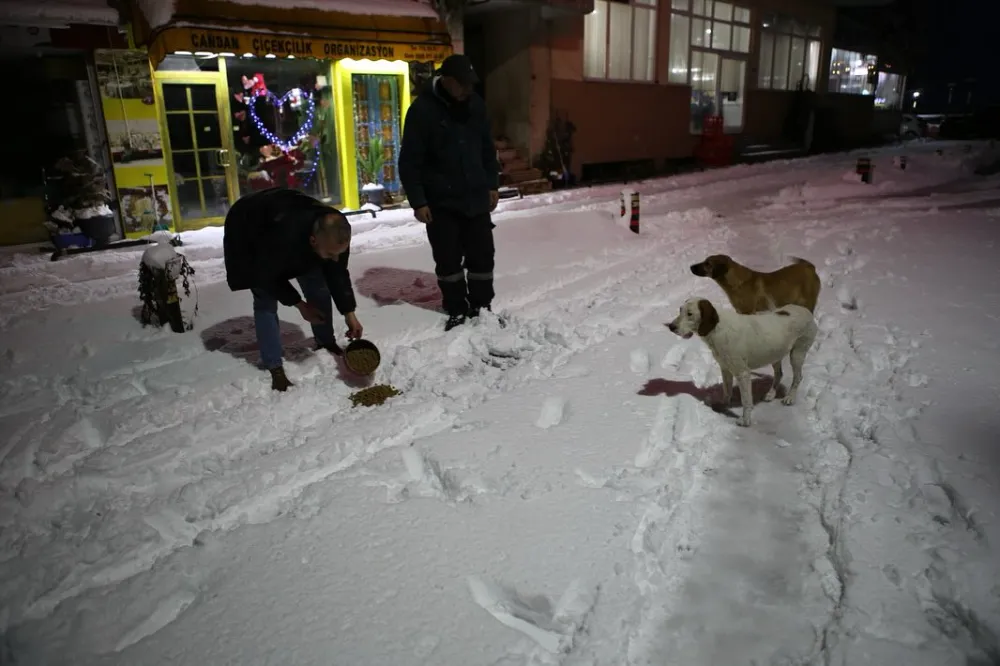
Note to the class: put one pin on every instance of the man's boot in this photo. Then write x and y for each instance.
(279, 380)
(474, 313)
(453, 321)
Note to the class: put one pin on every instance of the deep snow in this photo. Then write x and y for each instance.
(556, 492)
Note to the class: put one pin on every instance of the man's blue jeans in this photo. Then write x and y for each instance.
(265, 318)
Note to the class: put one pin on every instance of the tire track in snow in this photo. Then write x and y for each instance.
(218, 486)
(865, 465)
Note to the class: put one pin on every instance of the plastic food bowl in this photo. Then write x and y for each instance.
(362, 357)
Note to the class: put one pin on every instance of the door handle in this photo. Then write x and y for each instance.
(222, 157)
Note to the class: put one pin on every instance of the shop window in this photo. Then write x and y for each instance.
(188, 62)
(680, 48)
(710, 24)
(704, 100)
(283, 125)
(49, 127)
(853, 73)
(377, 114)
(704, 24)
(789, 54)
(889, 91)
(709, 40)
(619, 40)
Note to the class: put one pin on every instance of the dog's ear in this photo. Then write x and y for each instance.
(709, 318)
(720, 266)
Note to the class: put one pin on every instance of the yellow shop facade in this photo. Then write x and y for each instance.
(206, 110)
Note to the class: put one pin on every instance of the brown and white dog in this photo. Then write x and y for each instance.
(743, 343)
(751, 291)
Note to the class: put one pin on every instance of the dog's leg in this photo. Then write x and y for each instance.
(798, 357)
(775, 383)
(746, 397)
(727, 388)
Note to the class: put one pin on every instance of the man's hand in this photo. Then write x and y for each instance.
(310, 312)
(354, 328)
(494, 199)
(423, 215)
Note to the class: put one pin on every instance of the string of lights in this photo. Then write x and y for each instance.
(279, 103)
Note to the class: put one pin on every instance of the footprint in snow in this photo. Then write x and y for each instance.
(672, 359)
(847, 300)
(639, 361)
(552, 414)
(551, 626)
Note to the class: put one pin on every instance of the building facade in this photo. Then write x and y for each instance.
(637, 78)
(48, 50)
(193, 103)
(219, 99)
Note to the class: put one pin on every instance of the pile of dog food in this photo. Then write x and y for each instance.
(373, 395)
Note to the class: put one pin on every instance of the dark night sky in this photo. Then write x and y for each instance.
(961, 41)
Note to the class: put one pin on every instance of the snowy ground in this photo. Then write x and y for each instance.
(554, 493)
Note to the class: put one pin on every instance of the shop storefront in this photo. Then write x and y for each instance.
(240, 110)
(62, 121)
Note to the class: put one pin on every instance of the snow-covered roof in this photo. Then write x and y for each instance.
(159, 12)
(56, 13)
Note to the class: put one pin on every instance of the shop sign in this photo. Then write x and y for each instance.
(262, 44)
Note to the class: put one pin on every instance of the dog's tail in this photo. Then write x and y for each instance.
(800, 260)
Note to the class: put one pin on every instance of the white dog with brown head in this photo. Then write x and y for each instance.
(744, 343)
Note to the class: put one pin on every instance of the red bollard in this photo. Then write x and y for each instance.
(633, 223)
(865, 169)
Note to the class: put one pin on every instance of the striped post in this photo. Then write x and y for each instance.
(633, 223)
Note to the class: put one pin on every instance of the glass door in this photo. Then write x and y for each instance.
(731, 91)
(198, 147)
(717, 89)
(704, 88)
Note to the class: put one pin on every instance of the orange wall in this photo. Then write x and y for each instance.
(623, 121)
(618, 121)
(627, 121)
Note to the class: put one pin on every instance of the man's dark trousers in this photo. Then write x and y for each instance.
(460, 244)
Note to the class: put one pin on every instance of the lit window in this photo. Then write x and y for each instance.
(853, 73)
(889, 91)
(619, 40)
(789, 54)
(709, 43)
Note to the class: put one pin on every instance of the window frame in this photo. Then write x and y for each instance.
(653, 5)
(739, 16)
(901, 96)
(686, 9)
(872, 66)
(774, 26)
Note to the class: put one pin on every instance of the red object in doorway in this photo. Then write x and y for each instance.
(716, 147)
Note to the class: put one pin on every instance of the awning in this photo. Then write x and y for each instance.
(283, 44)
(300, 32)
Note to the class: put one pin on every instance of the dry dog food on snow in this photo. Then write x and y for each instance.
(373, 395)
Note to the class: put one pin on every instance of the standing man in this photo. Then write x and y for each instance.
(448, 168)
(275, 235)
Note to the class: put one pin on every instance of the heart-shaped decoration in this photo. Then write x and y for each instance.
(294, 98)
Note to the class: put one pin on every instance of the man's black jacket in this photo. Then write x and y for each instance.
(266, 244)
(448, 158)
